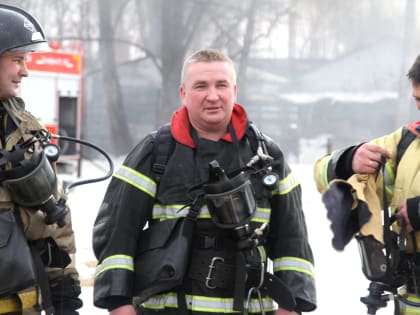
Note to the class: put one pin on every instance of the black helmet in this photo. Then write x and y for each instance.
(20, 31)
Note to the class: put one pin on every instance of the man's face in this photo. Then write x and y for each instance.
(415, 91)
(209, 93)
(12, 70)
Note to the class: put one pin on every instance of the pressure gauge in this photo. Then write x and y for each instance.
(52, 152)
(270, 180)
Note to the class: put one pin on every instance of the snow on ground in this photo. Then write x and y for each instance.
(340, 282)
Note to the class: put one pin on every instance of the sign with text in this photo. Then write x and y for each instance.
(54, 62)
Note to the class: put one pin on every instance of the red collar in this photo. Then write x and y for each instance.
(180, 125)
(414, 128)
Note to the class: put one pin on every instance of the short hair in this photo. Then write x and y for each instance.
(207, 55)
(414, 72)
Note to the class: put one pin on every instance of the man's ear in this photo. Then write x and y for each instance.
(182, 91)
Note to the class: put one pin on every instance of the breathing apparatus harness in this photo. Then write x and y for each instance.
(387, 266)
(25, 174)
(231, 203)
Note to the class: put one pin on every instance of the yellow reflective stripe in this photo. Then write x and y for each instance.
(136, 179)
(262, 215)
(10, 304)
(163, 212)
(115, 262)
(324, 175)
(262, 252)
(409, 309)
(205, 303)
(389, 179)
(23, 300)
(28, 298)
(286, 185)
(389, 170)
(295, 264)
(413, 298)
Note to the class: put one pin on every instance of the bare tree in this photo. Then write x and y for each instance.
(180, 21)
(121, 137)
(246, 49)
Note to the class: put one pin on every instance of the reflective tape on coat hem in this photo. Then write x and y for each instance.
(205, 303)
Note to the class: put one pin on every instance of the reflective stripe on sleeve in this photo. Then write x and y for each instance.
(163, 212)
(286, 185)
(136, 179)
(115, 262)
(294, 264)
(262, 215)
(205, 304)
(324, 170)
(407, 309)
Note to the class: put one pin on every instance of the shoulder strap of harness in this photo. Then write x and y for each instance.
(406, 138)
(254, 136)
(165, 145)
(162, 150)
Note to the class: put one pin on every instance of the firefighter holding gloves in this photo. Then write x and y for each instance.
(372, 191)
(37, 271)
(196, 210)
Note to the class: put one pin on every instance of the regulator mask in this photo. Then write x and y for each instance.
(32, 182)
(380, 264)
(231, 201)
(372, 254)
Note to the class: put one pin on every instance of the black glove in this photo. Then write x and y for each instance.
(51, 254)
(65, 297)
(413, 212)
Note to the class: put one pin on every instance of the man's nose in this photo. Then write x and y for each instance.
(212, 94)
(23, 71)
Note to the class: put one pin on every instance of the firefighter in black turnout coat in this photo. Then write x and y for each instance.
(209, 132)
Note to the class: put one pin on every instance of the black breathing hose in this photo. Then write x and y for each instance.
(93, 180)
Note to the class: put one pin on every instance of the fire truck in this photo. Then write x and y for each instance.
(53, 93)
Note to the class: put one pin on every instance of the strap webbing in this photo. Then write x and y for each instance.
(162, 150)
(40, 272)
(406, 138)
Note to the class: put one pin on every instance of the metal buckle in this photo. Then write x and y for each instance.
(211, 268)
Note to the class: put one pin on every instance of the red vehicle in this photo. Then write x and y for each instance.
(53, 94)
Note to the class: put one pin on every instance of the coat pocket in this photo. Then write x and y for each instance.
(17, 271)
(162, 256)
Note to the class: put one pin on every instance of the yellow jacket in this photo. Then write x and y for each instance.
(401, 183)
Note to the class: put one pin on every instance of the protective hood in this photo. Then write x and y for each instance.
(180, 125)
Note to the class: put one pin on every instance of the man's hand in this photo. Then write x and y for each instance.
(403, 215)
(124, 310)
(282, 311)
(367, 158)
